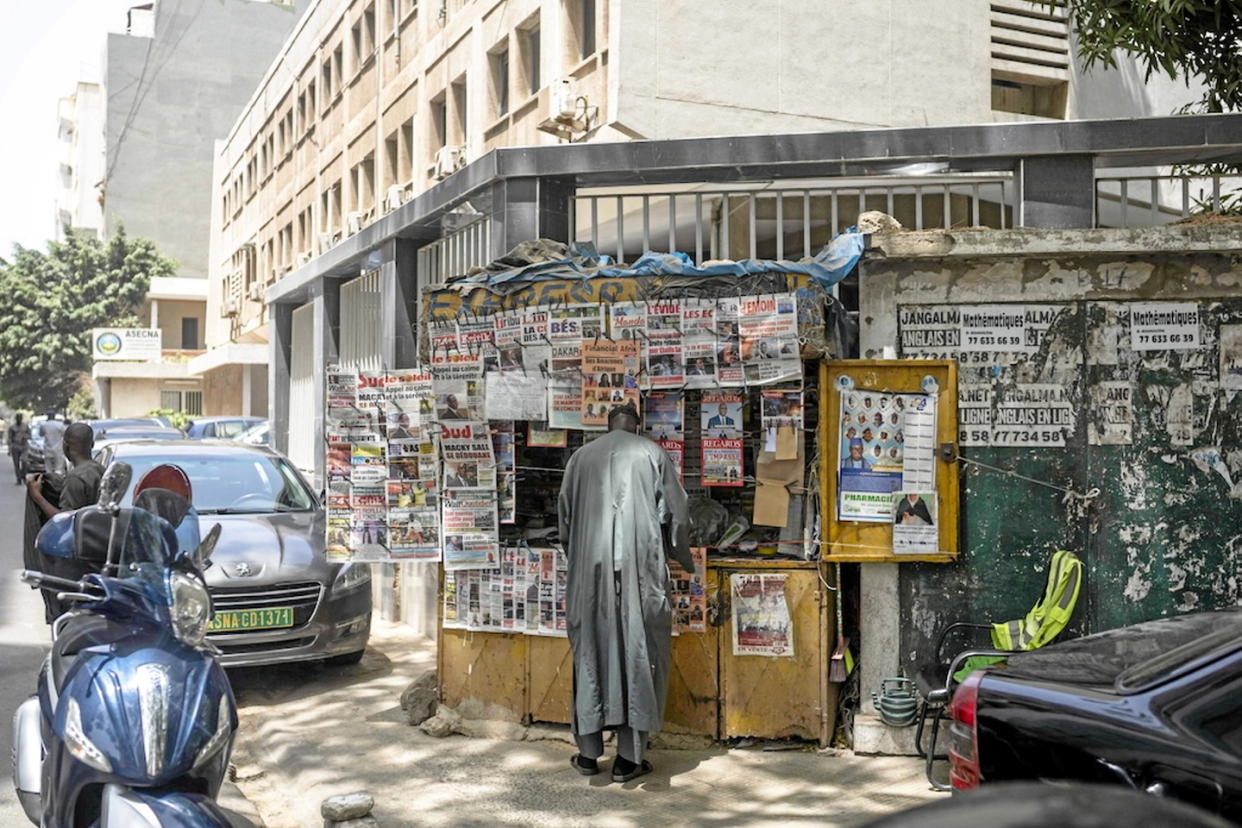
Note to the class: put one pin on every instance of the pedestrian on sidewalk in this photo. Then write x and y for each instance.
(622, 513)
(18, 438)
(81, 486)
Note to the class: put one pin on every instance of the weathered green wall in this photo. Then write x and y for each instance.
(1164, 534)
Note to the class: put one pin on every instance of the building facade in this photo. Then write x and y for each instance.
(80, 172)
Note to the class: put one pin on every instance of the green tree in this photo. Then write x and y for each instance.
(1190, 38)
(52, 299)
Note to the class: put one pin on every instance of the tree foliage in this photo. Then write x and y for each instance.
(1189, 38)
(52, 299)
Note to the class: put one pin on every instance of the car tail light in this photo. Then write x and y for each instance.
(964, 734)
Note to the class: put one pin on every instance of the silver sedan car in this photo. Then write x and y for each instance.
(276, 596)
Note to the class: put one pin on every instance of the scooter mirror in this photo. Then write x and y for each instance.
(206, 546)
(114, 484)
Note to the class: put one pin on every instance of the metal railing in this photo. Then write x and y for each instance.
(1151, 200)
(361, 336)
(784, 222)
(459, 250)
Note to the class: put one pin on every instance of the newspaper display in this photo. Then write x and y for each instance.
(506, 472)
(1001, 401)
(698, 328)
(627, 320)
(665, 358)
(449, 360)
(575, 323)
(609, 379)
(720, 443)
(761, 622)
(689, 593)
(469, 528)
(663, 422)
(523, 593)
(915, 526)
(458, 400)
(768, 328)
(729, 369)
(565, 385)
(517, 395)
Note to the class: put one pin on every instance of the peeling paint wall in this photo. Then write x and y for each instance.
(1100, 399)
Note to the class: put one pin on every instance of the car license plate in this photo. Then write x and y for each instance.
(254, 619)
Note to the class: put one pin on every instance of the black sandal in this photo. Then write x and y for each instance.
(577, 761)
(637, 771)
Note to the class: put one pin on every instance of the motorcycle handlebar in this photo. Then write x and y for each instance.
(44, 581)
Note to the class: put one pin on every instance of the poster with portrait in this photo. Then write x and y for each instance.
(720, 413)
(457, 400)
(780, 417)
(887, 444)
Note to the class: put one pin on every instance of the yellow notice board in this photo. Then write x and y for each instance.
(878, 434)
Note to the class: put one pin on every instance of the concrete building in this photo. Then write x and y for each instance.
(80, 173)
(174, 81)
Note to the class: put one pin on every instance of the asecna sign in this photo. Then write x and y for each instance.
(132, 344)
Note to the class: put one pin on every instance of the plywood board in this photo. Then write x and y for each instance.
(782, 697)
(483, 675)
(693, 705)
(869, 542)
(551, 679)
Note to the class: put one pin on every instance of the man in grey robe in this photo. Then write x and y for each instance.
(622, 512)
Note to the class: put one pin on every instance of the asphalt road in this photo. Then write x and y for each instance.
(24, 641)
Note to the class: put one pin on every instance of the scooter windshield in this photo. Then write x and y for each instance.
(150, 544)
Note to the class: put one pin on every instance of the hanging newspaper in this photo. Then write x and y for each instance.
(781, 419)
(610, 378)
(506, 476)
(565, 386)
(449, 359)
(665, 360)
(413, 505)
(458, 400)
(468, 460)
(729, 369)
(768, 327)
(517, 395)
(698, 328)
(469, 528)
(689, 594)
(534, 326)
(342, 411)
(627, 320)
(720, 441)
(761, 622)
(575, 323)
(663, 422)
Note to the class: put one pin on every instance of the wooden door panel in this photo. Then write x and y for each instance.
(483, 675)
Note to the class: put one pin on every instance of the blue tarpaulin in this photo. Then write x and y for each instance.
(544, 260)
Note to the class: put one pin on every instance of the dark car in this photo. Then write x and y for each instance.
(137, 432)
(1155, 707)
(276, 595)
(222, 428)
(99, 427)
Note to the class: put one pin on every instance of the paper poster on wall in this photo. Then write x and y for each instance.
(1159, 326)
(762, 625)
(1111, 419)
(689, 594)
(610, 378)
(1231, 358)
(915, 437)
(768, 329)
(915, 523)
(872, 453)
(993, 328)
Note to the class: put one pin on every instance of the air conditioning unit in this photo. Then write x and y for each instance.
(326, 242)
(303, 258)
(393, 200)
(448, 161)
(562, 101)
(230, 307)
(255, 291)
(353, 222)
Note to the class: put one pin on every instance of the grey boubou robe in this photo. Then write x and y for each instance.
(621, 497)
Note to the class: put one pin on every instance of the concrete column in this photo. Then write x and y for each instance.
(245, 400)
(1056, 191)
(326, 299)
(280, 331)
(529, 208)
(155, 313)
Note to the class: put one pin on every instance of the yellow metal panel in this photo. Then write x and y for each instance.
(483, 672)
(550, 664)
(859, 541)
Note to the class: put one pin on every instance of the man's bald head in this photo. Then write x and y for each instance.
(623, 417)
(79, 440)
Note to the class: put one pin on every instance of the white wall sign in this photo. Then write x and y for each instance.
(1157, 326)
(130, 344)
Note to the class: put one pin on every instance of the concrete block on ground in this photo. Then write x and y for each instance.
(873, 737)
(420, 698)
(348, 806)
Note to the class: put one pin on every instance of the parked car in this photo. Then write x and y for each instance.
(276, 596)
(101, 426)
(224, 428)
(259, 434)
(138, 432)
(1155, 707)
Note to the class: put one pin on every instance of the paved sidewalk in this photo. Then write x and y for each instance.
(308, 732)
